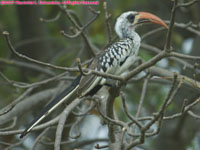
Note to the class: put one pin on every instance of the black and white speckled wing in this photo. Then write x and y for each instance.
(110, 61)
(115, 58)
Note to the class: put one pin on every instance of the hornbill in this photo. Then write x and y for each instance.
(115, 59)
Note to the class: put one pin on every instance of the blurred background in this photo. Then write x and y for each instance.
(42, 41)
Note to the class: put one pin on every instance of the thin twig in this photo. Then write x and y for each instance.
(101, 147)
(11, 126)
(192, 114)
(122, 137)
(185, 101)
(13, 83)
(187, 4)
(6, 35)
(52, 19)
(178, 60)
(178, 55)
(115, 122)
(107, 21)
(78, 61)
(36, 84)
(145, 65)
(30, 66)
(81, 29)
(115, 77)
(127, 113)
(39, 137)
(12, 146)
(91, 107)
(85, 37)
(144, 90)
(152, 32)
(156, 118)
(169, 33)
(175, 90)
(188, 26)
(186, 109)
(9, 107)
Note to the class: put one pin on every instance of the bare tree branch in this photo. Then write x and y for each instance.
(62, 121)
(169, 33)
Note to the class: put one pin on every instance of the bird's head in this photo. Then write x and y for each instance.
(128, 21)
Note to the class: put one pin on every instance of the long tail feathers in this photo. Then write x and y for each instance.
(66, 94)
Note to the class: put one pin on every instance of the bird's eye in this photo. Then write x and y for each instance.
(131, 18)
